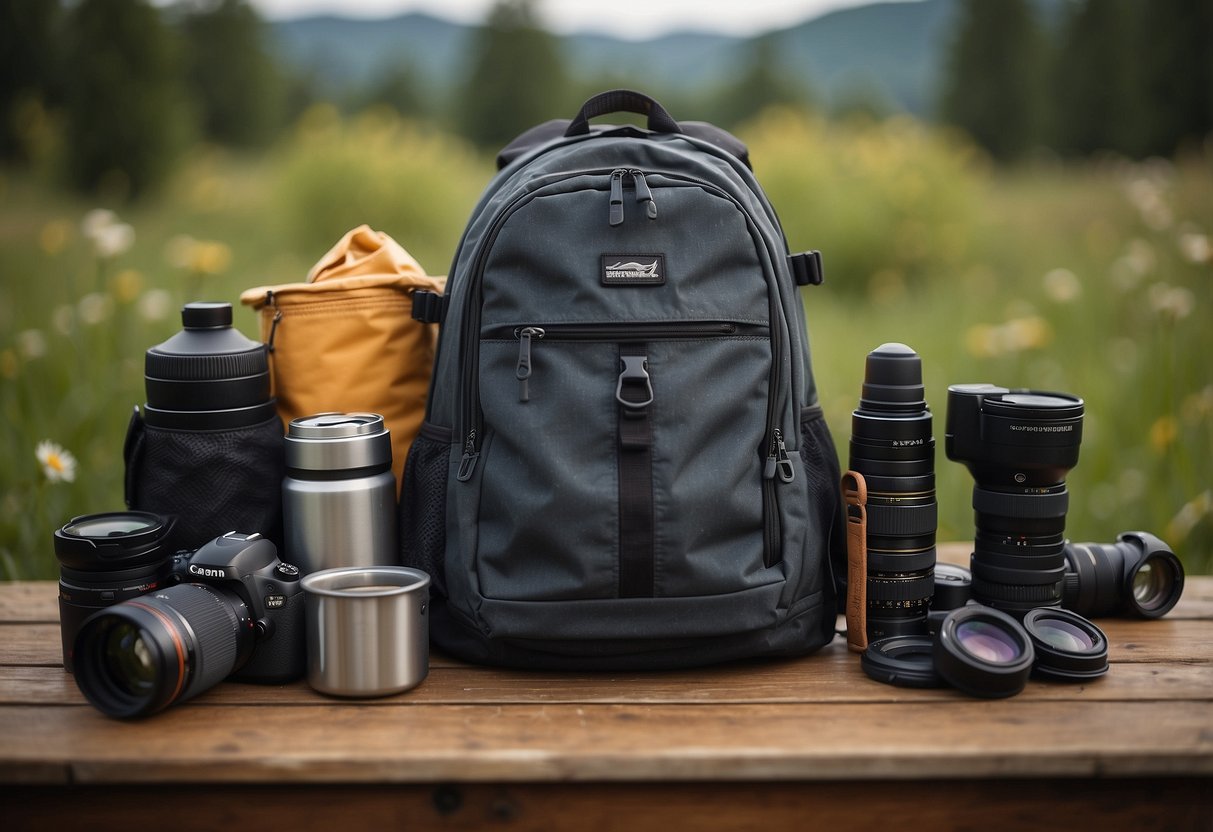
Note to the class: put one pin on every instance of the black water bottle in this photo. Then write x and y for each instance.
(208, 446)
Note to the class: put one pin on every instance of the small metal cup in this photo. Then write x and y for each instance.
(367, 630)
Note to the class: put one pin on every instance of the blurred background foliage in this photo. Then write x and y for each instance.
(1044, 222)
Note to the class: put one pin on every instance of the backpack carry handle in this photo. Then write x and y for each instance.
(616, 101)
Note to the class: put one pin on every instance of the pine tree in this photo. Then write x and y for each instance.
(27, 68)
(230, 74)
(994, 84)
(1096, 101)
(1174, 42)
(125, 103)
(763, 83)
(517, 76)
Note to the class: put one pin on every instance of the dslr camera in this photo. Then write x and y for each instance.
(236, 612)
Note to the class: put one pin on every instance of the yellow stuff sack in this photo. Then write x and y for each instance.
(346, 340)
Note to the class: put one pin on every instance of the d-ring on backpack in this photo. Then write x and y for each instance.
(623, 463)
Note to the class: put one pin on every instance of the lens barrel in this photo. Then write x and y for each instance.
(892, 447)
(139, 657)
(105, 559)
(1136, 576)
(1019, 446)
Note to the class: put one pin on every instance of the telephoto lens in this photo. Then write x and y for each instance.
(1018, 445)
(1137, 576)
(105, 559)
(141, 656)
(892, 447)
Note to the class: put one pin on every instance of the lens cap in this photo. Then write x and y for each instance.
(904, 661)
(983, 652)
(953, 586)
(1069, 648)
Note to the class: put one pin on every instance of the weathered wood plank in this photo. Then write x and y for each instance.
(434, 743)
(836, 679)
(1129, 640)
(29, 601)
(1008, 806)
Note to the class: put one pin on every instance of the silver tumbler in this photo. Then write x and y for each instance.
(367, 630)
(339, 493)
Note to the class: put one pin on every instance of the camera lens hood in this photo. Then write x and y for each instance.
(1069, 648)
(983, 652)
(114, 540)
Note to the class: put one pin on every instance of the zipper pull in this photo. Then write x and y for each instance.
(643, 195)
(617, 196)
(467, 464)
(523, 371)
(778, 460)
(270, 300)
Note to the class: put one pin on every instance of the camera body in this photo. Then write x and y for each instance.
(238, 614)
(269, 589)
(1018, 445)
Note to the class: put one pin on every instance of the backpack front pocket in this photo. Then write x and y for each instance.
(616, 469)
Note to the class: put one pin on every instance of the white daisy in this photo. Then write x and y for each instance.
(57, 463)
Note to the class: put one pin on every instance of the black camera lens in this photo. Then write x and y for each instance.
(1019, 445)
(1068, 647)
(892, 447)
(105, 559)
(983, 652)
(139, 657)
(1138, 575)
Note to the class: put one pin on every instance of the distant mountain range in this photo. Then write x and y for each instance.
(892, 52)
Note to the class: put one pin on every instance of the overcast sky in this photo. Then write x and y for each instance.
(636, 19)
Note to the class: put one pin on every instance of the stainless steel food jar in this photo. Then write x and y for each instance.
(367, 630)
(339, 493)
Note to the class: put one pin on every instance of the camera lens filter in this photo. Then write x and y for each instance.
(983, 652)
(1069, 648)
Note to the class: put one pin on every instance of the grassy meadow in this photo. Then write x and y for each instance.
(1094, 279)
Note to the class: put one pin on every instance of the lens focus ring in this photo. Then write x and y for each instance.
(1021, 506)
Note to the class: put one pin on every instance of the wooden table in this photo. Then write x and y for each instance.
(805, 744)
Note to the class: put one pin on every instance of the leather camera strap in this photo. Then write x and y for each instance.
(855, 493)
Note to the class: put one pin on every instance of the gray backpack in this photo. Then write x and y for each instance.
(623, 463)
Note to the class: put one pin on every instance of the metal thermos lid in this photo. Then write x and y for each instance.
(338, 442)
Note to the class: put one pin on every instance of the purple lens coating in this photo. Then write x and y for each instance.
(1064, 636)
(988, 642)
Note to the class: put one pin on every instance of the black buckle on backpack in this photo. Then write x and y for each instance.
(807, 268)
(429, 307)
(635, 372)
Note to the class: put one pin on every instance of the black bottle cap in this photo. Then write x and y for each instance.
(206, 315)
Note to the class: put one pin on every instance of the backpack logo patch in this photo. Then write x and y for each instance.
(633, 269)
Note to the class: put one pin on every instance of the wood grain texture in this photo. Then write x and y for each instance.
(344, 742)
(815, 680)
(1007, 806)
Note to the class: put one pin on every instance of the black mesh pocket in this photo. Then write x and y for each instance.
(423, 504)
(212, 481)
(825, 492)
